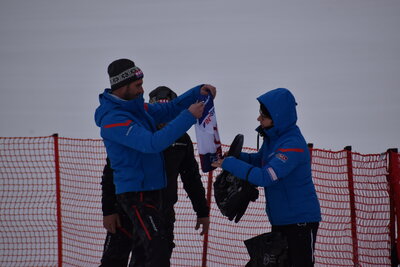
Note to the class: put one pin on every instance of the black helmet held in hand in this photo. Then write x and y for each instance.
(232, 194)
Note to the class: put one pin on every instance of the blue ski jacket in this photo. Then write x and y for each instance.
(282, 165)
(133, 143)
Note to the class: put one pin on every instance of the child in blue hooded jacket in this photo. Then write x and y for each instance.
(283, 167)
(135, 147)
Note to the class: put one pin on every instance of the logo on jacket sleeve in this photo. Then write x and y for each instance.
(282, 157)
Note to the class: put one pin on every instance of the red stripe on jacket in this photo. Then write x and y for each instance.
(118, 124)
(290, 150)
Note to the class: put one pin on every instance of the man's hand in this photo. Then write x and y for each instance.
(205, 89)
(111, 222)
(217, 163)
(205, 222)
(197, 109)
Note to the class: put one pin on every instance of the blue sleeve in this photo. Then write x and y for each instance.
(165, 112)
(134, 135)
(281, 164)
(252, 158)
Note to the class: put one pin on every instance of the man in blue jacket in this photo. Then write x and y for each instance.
(283, 167)
(179, 161)
(134, 146)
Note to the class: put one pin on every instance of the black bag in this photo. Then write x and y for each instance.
(232, 194)
(267, 250)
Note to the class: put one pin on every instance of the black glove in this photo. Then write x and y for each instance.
(224, 190)
(236, 146)
(233, 195)
(250, 193)
(241, 210)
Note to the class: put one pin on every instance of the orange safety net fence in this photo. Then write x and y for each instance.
(50, 209)
(28, 212)
(342, 241)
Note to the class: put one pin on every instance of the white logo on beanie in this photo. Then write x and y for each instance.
(132, 72)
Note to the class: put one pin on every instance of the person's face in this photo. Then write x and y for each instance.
(265, 122)
(133, 90)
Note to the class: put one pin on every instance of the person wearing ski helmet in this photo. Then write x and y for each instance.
(283, 167)
(180, 161)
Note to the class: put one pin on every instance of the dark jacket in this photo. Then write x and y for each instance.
(179, 159)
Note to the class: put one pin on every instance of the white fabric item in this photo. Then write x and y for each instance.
(208, 141)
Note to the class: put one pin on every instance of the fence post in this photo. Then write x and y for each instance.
(393, 179)
(310, 149)
(205, 240)
(58, 198)
(352, 205)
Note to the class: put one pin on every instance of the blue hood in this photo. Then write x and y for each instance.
(281, 104)
(108, 103)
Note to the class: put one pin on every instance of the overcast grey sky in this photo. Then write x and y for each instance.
(340, 58)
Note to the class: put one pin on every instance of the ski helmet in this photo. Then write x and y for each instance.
(162, 94)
